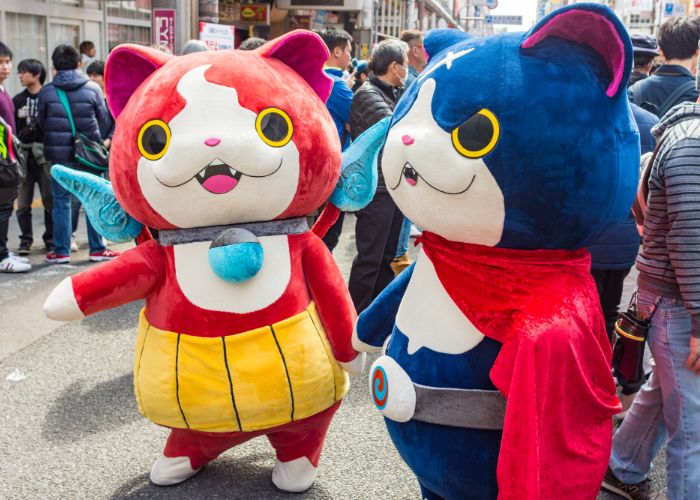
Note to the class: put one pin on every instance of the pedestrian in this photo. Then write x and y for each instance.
(361, 72)
(417, 58)
(194, 46)
(96, 73)
(32, 75)
(87, 53)
(669, 284)
(674, 81)
(252, 43)
(339, 44)
(87, 107)
(645, 50)
(379, 223)
(9, 263)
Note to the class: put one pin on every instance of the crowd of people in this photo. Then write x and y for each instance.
(663, 99)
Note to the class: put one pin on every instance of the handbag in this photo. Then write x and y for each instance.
(91, 155)
(13, 167)
(628, 352)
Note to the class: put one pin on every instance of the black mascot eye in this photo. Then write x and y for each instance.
(477, 136)
(154, 139)
(274, 127)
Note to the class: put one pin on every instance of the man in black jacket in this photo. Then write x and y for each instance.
(674, 81)
(379, 224)
(90, 115)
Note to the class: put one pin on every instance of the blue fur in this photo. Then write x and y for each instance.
(358, 175)
(99, 202)
(238, 262)
(564, 177)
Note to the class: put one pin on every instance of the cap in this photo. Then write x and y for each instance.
(360, 64)
(644, 44)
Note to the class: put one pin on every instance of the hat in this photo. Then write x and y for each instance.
(359, 64)
(644, 44)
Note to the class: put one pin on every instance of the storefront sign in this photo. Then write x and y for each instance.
(254, 13)
(217, 36)
(163, 23)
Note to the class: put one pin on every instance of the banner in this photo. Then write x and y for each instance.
(163, 24)
(217, 36)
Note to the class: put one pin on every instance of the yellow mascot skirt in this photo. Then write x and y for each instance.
(244, 382)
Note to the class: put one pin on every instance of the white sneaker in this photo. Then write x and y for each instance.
(73, 245)
(415, 232)
(11, 265)
(17, 257)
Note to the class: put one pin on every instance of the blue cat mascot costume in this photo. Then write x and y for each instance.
(513, 152)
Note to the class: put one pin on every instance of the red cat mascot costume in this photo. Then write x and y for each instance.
(247, 325)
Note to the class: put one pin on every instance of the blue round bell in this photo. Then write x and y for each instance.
(236, 255)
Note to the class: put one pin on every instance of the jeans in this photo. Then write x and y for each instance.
(35, 175)
(404, 236)
(668, 404)
(5, 214)
(62, 227)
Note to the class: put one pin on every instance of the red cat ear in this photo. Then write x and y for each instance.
(304, 52)
(126, 68)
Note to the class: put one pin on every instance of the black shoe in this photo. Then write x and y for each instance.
(637, 491)
(24, 248)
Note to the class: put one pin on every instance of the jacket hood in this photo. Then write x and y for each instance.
(676, 114)
(70, 79)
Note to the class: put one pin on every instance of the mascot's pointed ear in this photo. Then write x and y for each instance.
(126, 68)
(595, 26)
(304, 52)
(440, 39)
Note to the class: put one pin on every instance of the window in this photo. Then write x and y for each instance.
(26, 37)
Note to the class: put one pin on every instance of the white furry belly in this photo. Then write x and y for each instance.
(205, 289)
(428, 316)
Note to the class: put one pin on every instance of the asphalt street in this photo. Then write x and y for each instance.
(70, 428)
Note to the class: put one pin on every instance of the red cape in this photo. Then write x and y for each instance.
(553, 368)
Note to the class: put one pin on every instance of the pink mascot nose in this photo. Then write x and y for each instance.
(212, 141)
(408, 140)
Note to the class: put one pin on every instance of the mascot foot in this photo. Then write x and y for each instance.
(294, 476)
(168, 471)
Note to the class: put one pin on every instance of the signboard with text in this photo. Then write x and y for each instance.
(514, 20)
(217, 36)
(254, 14)
(163, 28)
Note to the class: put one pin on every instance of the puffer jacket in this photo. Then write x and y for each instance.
(617, 246)
(89, 113)
(373, 101)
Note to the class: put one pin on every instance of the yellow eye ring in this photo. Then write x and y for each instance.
(154, 148)
(275, 136)
(489, 146)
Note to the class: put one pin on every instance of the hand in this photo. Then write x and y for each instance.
(107, 143)
(693, 362)
(61, 304)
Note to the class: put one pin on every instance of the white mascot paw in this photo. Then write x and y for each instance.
(61, 304)
(356, 366)
(168, 471)
(392, 391)
(294, 476)
(360, 346)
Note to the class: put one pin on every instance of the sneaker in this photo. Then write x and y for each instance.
(415, 232)
(73, 245)
(638, 491)
(105, 254)
(12, 265)
(18, 258)
(24, 248)
(54, 258)
(400, 263)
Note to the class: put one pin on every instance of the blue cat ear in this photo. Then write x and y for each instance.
(99, 202)
(358, 175)
(595, 26)
(440, 39)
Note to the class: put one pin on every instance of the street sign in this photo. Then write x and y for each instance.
(491, 4)
(515, 20)
(488, 19)
(163, 28)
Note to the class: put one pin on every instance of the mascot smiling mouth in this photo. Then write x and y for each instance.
(411, 176)
(218, 177)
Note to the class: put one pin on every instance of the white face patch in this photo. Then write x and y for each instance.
(453, 196)
(213, 129)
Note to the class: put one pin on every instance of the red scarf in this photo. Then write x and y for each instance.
(553, 368)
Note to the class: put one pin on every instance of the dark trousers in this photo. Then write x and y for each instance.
(40, 176)
(609, 283)
(333, 235)
(5, 214)
(376, 236)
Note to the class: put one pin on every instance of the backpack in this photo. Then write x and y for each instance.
(637, 97)
(13, 166)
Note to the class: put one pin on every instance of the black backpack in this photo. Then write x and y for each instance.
(637, 97)
(13, 162)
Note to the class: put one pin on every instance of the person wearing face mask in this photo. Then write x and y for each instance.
(379, 223)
